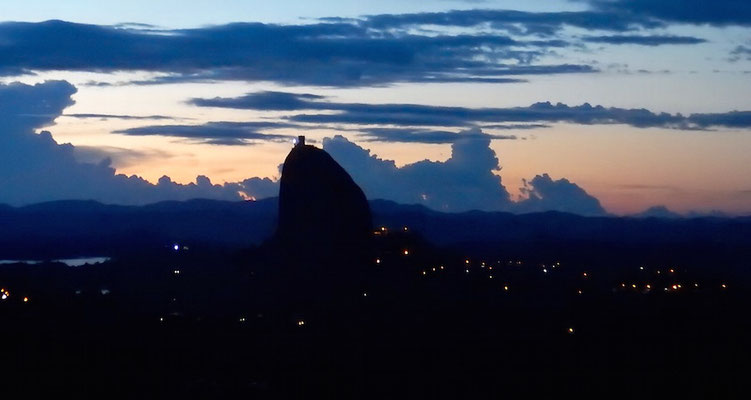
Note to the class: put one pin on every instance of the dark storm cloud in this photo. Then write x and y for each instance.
(220, 133)
(644, 40)
(712, 12)
(537, 114)
(329, 54)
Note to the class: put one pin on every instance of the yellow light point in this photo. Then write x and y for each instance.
(571, 331)
(633, 286)
(406, 229)
(579, 291)
(641, 268)
(491, 277)
(378, 260)
(675, 287)
(649, 286)
(300, 323)
(424, 273)
(672, 270)
(696, 285)
(679, 286)
(433, 269)
(466, 261)
(441, 267)
(505, 288)
(406, 252)
(585, 275)
(383, 229)
(724, 286)
(25, 299)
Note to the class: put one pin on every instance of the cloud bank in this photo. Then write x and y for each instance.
(36, 168)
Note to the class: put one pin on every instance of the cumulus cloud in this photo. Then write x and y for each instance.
(543, 193)
(36, 168)
(468, 180)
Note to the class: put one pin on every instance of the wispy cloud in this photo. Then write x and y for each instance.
(438, 116)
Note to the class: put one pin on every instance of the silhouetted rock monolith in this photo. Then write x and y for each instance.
(322, 211)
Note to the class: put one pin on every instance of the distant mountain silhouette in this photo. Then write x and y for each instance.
(321, 209)
(81, 228)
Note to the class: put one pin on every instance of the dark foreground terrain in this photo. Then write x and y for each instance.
(541, 320)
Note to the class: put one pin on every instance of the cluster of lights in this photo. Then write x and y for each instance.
(4, 294)
(435, 269)
(300, 323)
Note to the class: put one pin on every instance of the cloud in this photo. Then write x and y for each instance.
(327, 54)
(119, 116)
(408, 135)
(534, 116)
(740, 52)
(644, 40)
(715, 12)
(35, 168)
(466, 181)
(120, 157)
(220, 133)
(516, 22)
(543, 193)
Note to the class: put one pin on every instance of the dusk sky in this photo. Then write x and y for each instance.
(589, 106)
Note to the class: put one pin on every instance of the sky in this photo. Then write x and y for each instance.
(589, 106)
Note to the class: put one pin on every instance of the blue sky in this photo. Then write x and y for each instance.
(590, 106)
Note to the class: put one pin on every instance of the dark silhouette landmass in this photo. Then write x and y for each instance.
(83, 228)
